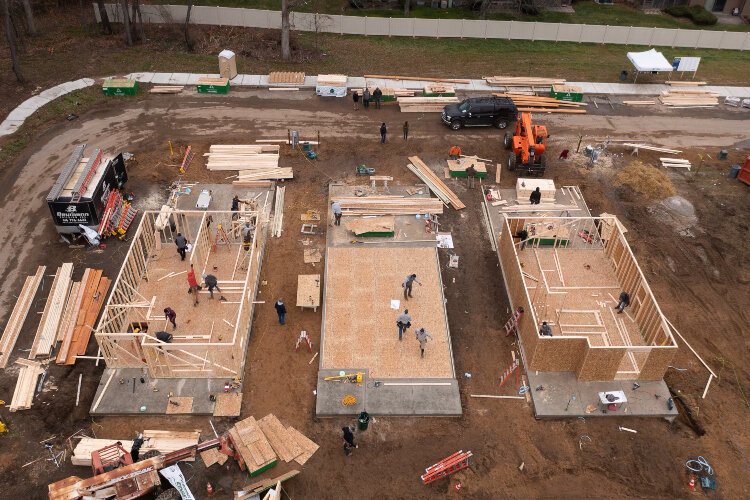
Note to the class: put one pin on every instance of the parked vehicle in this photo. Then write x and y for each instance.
(480, 112)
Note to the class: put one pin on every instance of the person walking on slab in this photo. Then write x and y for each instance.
(336, 208)
(403, 322)
(422, 337)
(406, 131)
(281, 311)
(535, 197)
(193, 285)
(366, 98)
(348, 440)
(377, 94)
(408, 283)
(383, 131)
(171, 315)
(211, 283)
(182, 244)
(355, 98)
(624, 302)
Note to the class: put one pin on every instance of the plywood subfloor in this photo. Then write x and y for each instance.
(179, 405)
(228, 404)
(360, 326)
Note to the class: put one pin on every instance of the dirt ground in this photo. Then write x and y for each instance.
(694, 255)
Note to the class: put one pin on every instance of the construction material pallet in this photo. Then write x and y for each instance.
(18, 316)
(213, 85)
(286, 78)
(388, 205)
(119, 86)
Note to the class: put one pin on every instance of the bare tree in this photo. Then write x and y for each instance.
(286, 26)
(188, 41)
(407, 7)
(137, 21)
(10, 35)
(126, 20)
(483, 8)
(30, 24)
(106, 26)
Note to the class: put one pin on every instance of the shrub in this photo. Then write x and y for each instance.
(697, 13)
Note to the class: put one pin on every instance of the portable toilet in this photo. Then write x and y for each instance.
(227, 64)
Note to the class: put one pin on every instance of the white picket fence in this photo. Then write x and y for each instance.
(444, 28)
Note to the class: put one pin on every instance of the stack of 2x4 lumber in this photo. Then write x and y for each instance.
(28, 375)
(419, 78)
(424, 104)
(684, 84)
(154, 440)
(436, 185)
(636, 146)
(689, 98)
(278, 212)
(388, 205)
(675, 163)
(521, 81)
(525, 186)
(46, 334)
(19, 314)
(388, 91)
(533, 103)
(166, 89)
(89, 301)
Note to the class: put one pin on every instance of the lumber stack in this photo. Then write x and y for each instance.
(166, 89)
(18, 315)
(684, 84)
(689, 98)
(524, 188)
(388, 205)
(154, 440)
(639, 103)
(675, 163)
(388, 91)
(437, 186)
(521, 81)
(28, 376)
(46, 334)
(278, 212)
(419, 78)
(439, 88)
(332, 80)
(253, 162)
(359, 226)
(636, 146)
(89, 301)
(424, 104)
(534, 103)
(253, 447)
(286, 78)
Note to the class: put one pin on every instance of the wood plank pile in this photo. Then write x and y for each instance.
(46, 333)
(166, 89)
(521, 81)
(534, 103)
(388, 205)
(252, 446)
(254, 490)
(18, 315)
(154, 440)
(278, 212)
(639, 103)
(332, 80)
(637, 146)
(689, 98)
(28, 376)
(419, 78)
(371, 225)
(436, 185)
(286, 77)
(439, 88)
(207, 80)
(88, 301)
(253, 162)
(685, 84)
(424, 104)
(675, 163)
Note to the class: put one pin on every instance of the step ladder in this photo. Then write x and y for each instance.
(447, 466)
(303, 338)
(186, 159)
(221, 237)
(511, 327)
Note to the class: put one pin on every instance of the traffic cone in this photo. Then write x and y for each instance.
(209, 489)
(691, 484)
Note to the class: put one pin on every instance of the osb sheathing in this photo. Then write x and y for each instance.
(517, 293)
(558, 354)
(657, 362)
(600, 363)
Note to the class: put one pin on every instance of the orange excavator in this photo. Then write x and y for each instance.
(527, 146)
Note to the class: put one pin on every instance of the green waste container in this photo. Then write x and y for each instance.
(567, 93)
(363, 420)
(723, 154)
(119, 86)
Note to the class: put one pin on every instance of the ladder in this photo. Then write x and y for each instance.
(221, 237)
(512, 325)
(447, 466)
(303, 338)
(186, 159)
(507, 373)
(85, 179)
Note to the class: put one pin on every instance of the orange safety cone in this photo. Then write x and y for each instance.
(209, 489)
(691, 484)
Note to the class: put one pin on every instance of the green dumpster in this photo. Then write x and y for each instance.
(119, 86)
(213, 85)
(567, 93)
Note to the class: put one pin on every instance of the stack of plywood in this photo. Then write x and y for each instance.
(388, 205)
(286, 78)
(46, 334)
(436, 185)
(689, 98)
(154, 440)
(522, 81)
(88, 301)
(533, 103)
(252, 446)
(26, 384)
(424, 104)
(18, 316)
(371, 225)
(166, 89)
(253, 162)
(524, 188)
(332, 80)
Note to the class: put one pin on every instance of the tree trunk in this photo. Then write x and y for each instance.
(106, 26)
(30, 24)
(407, 7)
(188, 41)
(286, 52)
(10, 35)
(483, 8)
(136, 21)
(126, 20)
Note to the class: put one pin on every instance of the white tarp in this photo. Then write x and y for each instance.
(651, 60)
(174, 476)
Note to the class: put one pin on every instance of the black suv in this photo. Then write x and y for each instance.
(480, 111)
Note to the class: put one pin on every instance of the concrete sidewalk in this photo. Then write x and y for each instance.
(16, 117)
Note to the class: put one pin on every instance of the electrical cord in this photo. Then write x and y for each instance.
(699, 464)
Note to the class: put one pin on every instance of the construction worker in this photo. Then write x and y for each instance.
(164, 337)
(471, 174)
(366, 98)
(408, 283)
(454, 152)
(422, 337)
(247, 235)
(545, 330)
(523, 234)
(348, 440)
(336, 208)
(355, 98)
(182, 244)
(171, 315)
(193, 285)
(383, 132)
(281, 311)
(624, 302)
(403, 322)
(535, 197)
(211, 283)
(377, 94)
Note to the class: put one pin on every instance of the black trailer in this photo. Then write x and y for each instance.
(80, 194)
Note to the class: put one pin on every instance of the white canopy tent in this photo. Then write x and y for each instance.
(650, 61)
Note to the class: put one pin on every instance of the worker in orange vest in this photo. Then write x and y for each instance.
(454, 152)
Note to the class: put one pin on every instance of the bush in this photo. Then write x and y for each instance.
(697, 13)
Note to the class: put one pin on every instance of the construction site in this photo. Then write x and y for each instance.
(268, 294)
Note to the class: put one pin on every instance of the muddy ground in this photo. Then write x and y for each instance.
(696, 264)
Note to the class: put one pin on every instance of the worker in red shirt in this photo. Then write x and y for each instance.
(193, 285)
